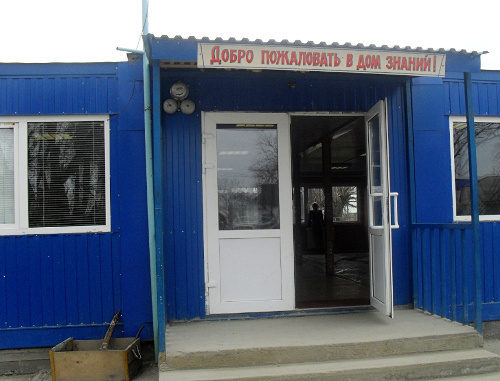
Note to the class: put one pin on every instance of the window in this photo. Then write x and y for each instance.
(54, 174)
(487, 131)
(247, 176)
(7, 163)
(344, 202)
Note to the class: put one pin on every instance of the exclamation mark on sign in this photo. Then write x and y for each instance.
(434, 63)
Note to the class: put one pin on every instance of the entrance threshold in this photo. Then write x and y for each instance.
(294, 313)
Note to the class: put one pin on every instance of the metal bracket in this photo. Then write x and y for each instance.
(207, 166)
(396, 212)
(207, 136)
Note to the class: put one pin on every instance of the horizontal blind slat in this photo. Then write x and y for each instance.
(66, 174)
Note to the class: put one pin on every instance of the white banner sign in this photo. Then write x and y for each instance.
(275, 57)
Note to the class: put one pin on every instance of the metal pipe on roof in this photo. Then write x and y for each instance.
(130, 50)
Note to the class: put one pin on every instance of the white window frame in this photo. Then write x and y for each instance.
(15, 127)
(462, 119)
(21, 225)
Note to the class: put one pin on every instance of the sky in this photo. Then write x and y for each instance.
(90, 30)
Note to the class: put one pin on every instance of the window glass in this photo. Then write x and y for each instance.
(344, 202)
(66, 174)
(7, 199)
(488, 167)
(247, 176)
(375, 156)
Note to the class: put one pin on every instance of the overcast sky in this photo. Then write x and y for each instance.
(90, 30)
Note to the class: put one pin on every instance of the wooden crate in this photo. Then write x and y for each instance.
(83, 360)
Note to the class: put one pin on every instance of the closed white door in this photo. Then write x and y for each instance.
(379, 210)
(248, 212)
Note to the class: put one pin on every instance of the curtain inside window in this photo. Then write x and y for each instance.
(66, 174)
(7, 206)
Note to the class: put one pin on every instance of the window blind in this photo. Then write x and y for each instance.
(66, 174)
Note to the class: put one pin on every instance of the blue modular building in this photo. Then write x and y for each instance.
(287, 176)
(74, 243)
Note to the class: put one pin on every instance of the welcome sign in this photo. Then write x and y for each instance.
(275, 57)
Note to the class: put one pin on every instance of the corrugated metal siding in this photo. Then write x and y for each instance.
(184, 218)
(47, 280)
(260, 92)
(435, 253)
(486, 96)
(39, 95)
(445, 265)
(56, 286)
(398, 153)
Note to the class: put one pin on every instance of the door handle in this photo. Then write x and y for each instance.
(395, 225)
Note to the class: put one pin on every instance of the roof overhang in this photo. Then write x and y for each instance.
(178, 52)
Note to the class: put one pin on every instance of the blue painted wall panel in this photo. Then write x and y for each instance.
(56, 286)
(399, 174)
(184, 231)
(134, 272)
(261, 92)
(438, 291)
(58, 94)
(435, 203)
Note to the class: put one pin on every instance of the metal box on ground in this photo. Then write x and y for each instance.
(82, 360)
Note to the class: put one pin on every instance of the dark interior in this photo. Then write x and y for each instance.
(331, 244)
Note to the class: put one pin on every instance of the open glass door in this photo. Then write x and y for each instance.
(379, 209)
(248, 213)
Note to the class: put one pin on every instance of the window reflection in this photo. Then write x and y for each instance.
(247, 176)
(488, 168)
(374, 127)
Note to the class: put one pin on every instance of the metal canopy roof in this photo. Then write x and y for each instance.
(336, 45)
(183, 52)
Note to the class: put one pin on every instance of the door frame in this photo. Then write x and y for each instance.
(231, 117)
(212, 234)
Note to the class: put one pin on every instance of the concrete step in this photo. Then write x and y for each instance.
(429, 365)
(24, 361)
(292, 354)
(495, 376)
(311, 339)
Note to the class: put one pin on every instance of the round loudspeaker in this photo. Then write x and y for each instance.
(170, 106)
(187, 106)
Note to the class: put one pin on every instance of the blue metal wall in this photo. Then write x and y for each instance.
(56, 286)
(262, 92)
(441, 271)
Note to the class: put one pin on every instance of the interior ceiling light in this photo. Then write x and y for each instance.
(342, 132)
(340, 165)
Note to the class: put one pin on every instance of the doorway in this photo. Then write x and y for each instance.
(329, 181)
(329, 245)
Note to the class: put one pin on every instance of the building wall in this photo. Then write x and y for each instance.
(434, 100)
(262, 92)
(70, 285)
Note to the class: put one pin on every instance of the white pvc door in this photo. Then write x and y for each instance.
(379, 208)
(248, 213)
